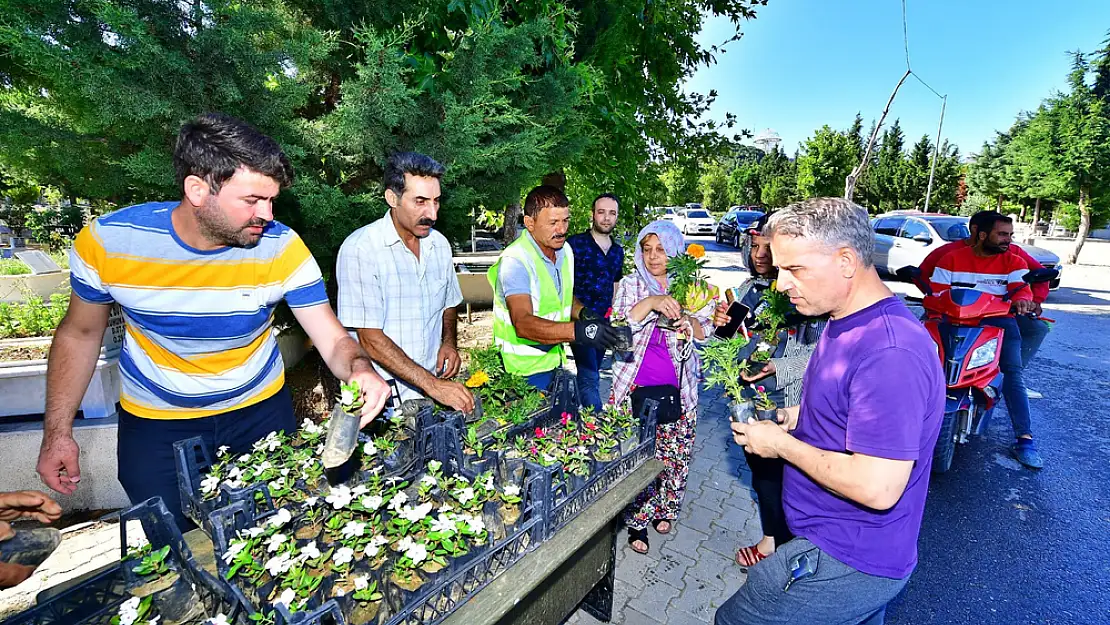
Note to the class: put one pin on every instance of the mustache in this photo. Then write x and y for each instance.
(426, 222)
(256, 222)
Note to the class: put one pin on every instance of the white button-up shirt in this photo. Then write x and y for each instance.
(383, 285)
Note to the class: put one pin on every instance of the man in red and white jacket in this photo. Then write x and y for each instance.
(991, 267)
(1033, 329)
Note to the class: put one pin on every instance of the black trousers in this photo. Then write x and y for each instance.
(147, 467)
(767, 484)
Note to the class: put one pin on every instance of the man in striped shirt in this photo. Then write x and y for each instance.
(988, 265)
(198, 280)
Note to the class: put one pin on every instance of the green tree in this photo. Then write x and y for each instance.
(681, 182)
(826, 160)
(777, 179)
(714, 188)
(888, 173)
(743, 184)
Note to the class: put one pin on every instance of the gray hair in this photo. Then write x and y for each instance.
(835, 222)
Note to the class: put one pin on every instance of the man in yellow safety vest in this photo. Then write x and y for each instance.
(533, 294)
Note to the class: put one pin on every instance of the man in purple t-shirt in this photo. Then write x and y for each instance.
(860, 445)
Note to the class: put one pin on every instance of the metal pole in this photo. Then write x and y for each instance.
(936, 152)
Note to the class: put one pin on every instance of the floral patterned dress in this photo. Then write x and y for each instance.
(674, 442)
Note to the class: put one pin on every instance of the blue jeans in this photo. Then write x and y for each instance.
(147, 467)
(588, 360)
(1033, 332)
(1013, 383)
(542, 380)
(835, 593)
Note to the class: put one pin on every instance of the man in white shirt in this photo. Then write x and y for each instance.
(398, 291)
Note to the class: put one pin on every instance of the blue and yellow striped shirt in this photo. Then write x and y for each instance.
(200, 337)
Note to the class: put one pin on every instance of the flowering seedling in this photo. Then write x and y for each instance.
(350, 397)
(366, 589)
(154, 563)
(135, 611)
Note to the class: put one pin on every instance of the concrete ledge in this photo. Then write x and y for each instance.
(99, 488)
(16, 288)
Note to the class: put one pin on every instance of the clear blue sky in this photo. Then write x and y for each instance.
(805, 63)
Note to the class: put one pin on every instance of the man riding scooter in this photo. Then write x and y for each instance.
(989, 266)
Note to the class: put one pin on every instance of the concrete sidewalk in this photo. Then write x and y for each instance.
(688, 573)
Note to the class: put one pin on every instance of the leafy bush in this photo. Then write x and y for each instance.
(13, 267)
(33, 317)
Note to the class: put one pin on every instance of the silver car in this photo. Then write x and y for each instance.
(904, 239)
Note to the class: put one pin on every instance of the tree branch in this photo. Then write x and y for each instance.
(850, 181)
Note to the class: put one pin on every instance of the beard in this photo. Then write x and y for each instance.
(992, 249)
(600, 229)
(215, 227)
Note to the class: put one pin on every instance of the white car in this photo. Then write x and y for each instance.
(667, 214)
(695, 221)
(904, 239)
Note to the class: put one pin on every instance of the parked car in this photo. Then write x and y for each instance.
(904, 239)
(668, 213)
(695, 221)
(735, 223)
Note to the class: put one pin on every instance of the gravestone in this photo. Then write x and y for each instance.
(39, 262)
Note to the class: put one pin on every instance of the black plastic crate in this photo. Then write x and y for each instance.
(96, 600)
(438, 597)
(561, 396)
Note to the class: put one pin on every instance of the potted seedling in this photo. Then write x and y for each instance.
(136, 610)
(413, 554)
(367, 600)
(510, 504)
(157, 578)
(765, 407)
(721, 365)
(624, 343)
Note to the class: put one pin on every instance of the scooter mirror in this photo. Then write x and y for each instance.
(908, 273)
(1038, 276)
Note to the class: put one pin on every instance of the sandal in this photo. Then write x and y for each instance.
(670, 526)
(635, 535)
(750, 556)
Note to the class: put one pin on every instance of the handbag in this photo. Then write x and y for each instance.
(668, 398)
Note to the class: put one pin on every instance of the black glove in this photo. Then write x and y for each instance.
(596, 333)
(588, 315)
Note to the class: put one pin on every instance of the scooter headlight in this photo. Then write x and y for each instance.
(983, 355)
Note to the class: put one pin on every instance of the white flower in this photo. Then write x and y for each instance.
(310, 428)
(311, 501)
(310, 551)
(280, 518)
(279, 564)
(362, 582)
(489, 482)
(370, 449)
(512, 490)
(359, 490)
(353, 529)
(129, 611)
(414, 514)
(416, 552)
(464, 495)
(372, 502)
(346, 397)
(265, 466)
(339, 497)
(319, 449)
(233, 550)
(285, 472)
(343, 555)
(397, 501)
(446, 508)
(548, 458)
(219, 619)
(763, 346)
(272, 441)
(222, 451)
(434, 466)
(444, 524)
(430, 480)
(275, 541)
(475, 524)
(287, 597)
(137, 541)
(210, 483)
(375, 546)
(235, 473)
(154, 621)
(277, 485)
(235, 483)
(255, 532)
(245, 458)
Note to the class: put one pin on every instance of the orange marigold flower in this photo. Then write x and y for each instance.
(695, 250)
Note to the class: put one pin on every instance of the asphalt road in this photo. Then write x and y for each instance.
(1001, 544)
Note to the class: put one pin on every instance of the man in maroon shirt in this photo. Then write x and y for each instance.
(1033, 330)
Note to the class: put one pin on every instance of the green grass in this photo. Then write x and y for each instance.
(13, 267)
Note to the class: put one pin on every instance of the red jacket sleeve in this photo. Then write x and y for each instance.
(1040, 290)
(940, 274)
(930, 263)
(1018, 269)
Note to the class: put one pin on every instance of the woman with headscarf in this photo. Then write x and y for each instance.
(659, 358)
(781, 376)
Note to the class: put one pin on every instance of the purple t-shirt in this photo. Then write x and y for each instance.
(657, 368)
(873, 386)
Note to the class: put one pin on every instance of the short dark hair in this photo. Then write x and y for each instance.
(986, 224)
(605, 196)
(412, 163)
(542, 197)
(983, 220)
(214, 145)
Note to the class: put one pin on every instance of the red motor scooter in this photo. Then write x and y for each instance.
(970, 354)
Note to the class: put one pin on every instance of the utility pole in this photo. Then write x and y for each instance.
(936, 152)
